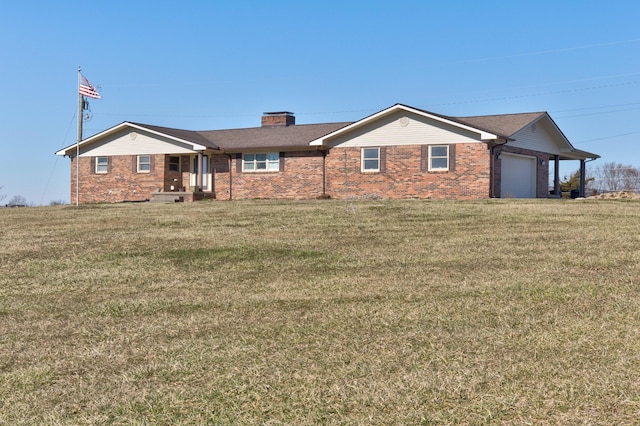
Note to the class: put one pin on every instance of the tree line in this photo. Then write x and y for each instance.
(606, 177)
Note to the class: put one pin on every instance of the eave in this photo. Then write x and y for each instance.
(484, 135)
(71, 150)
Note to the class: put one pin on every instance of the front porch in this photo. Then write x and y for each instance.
(584, 157)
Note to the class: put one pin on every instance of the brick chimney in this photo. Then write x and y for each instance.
(280, 118)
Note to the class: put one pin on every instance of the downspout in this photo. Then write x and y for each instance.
(492, 165)
(324, 173)
(213, 180)
(583, 172)
(230, 177)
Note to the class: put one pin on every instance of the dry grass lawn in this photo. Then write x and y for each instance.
(380, 312)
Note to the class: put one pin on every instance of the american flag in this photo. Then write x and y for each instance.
(86, 89)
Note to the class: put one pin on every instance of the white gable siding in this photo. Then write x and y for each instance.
(134, 142)
(537, 137)
(404, 128)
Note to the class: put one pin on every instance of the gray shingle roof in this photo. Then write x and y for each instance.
(274, 137)
(186, 135)
(299, 136)
(295, 136)
(503, 124)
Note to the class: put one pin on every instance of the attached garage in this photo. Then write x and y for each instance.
(518, 176)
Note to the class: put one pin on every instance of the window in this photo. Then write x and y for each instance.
(144, 163)
(370, 159)
(174, 163)
(102, 164)
(267, 162)
(439, 158)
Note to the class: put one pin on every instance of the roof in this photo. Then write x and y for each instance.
(231, 140)
(187, 135)
(302, 136)
(504, 124)
(510, 124)
(294, 136)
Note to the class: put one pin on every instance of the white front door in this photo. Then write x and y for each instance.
(206, 174)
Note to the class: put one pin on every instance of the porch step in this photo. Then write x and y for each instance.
(167, 197)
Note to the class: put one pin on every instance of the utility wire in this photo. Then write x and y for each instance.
(57, 158)
(608, 137)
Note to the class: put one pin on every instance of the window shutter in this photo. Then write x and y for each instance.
(452, 158)
(238, 163)
(152, 163)
(383, 159)
(282, 161)
(134, 163)
(424, 158)
(109, 159)
(93, 165)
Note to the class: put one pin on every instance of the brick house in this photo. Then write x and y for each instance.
(399, 152)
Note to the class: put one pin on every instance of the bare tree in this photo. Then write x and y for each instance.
(17, 201)
(2, 196)
(612, 176)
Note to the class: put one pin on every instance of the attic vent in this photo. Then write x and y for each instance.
(404, 121)
(133, 135)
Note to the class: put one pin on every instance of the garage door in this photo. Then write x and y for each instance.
(518, 176)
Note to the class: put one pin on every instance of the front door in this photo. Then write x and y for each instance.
(206, 174)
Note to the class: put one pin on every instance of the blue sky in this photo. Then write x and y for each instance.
(204, 65)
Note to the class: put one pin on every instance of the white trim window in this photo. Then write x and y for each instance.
(370, 160)
(438, 158)
(144, 163)
(102, 165)
(261, 162)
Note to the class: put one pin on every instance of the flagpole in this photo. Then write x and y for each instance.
(80, 110)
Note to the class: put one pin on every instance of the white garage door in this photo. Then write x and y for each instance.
(518, 176)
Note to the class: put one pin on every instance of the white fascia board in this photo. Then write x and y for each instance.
(69, 150)
(483, 134)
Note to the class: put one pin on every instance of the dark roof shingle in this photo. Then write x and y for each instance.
(503, 124)
(271, 137)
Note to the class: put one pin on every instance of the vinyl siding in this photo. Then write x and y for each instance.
(536, 137)
(134, 142)
(403, 128)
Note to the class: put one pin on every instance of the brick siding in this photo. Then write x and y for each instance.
(301, 176)
(404, 176)
(121, 182)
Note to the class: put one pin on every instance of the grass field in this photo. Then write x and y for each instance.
(379, 312)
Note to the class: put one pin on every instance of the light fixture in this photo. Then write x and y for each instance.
(542, 162)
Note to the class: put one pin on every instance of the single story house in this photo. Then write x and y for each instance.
(399, 152)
